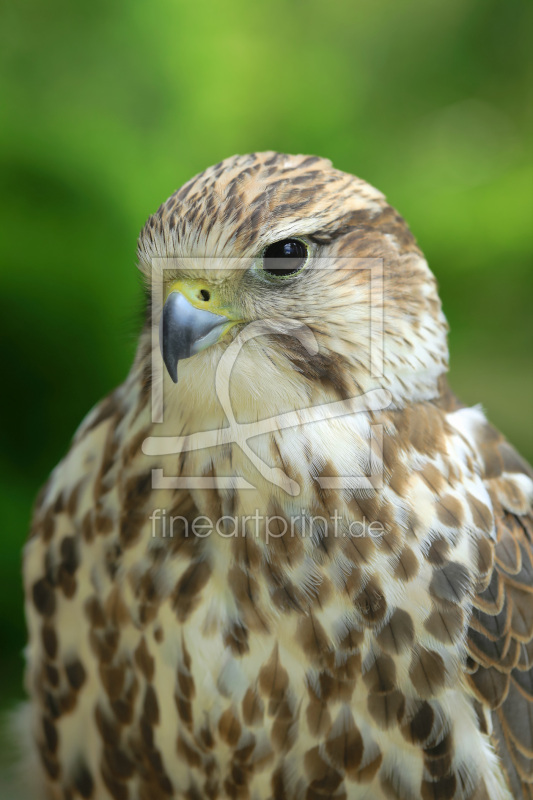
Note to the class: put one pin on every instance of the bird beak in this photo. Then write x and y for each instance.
(192, 320)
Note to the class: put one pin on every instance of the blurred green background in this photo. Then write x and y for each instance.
(107, 107)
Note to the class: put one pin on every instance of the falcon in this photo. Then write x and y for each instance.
(282, 560)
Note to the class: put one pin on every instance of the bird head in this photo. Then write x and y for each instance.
(318, 257)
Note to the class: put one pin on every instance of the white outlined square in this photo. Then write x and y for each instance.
(237, 433)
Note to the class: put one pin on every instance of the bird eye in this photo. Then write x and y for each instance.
(285, 258)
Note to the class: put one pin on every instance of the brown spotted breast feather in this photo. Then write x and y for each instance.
(197, 638)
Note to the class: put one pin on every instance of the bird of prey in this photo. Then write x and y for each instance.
(282, 560)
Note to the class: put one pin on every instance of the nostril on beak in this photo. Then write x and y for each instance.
(204, 295)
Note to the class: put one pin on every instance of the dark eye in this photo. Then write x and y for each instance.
(285, 258)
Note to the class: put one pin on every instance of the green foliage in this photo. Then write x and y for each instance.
(109, 106)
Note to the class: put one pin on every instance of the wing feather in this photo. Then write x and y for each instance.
(500, 636)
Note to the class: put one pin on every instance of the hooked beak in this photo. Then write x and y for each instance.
(185, 328)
